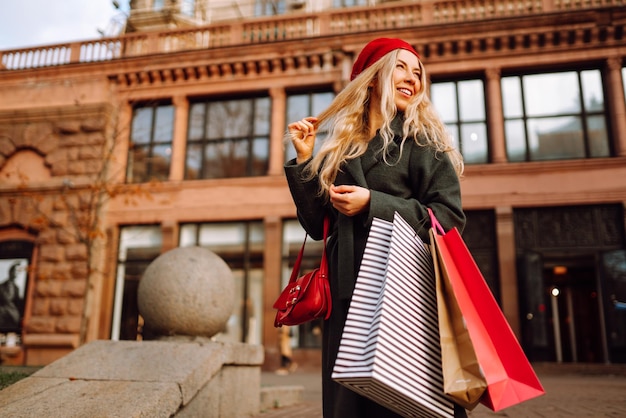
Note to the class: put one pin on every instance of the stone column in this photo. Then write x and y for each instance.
(277, 133)
(505, 233)
(179, 140)
(616, 104)
(495, 117)
(272, 288)
(122, 132)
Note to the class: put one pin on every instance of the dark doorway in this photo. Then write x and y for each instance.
(574, 310)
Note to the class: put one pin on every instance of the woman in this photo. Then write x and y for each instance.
(386, 151)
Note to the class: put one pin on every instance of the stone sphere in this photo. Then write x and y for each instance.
(187, 291)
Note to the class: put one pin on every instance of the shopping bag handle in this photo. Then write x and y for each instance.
(435, 223)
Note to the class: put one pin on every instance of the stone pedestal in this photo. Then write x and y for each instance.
(186, 378)
(186, 296)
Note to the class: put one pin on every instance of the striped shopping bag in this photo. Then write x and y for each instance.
(389, 349)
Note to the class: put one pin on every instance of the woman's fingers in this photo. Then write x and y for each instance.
(303, 128)
(349, 200)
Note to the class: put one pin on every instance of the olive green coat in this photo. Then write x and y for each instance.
(420, 178)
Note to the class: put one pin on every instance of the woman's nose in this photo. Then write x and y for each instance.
(411, 77)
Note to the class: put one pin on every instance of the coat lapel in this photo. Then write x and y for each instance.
(355, 169)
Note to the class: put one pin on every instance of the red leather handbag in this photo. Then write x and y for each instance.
(307, 297)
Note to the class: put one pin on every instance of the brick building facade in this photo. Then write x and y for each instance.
(115, 150)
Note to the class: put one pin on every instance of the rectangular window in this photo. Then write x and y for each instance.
(150, 152)
(228, 138)
(301, 105)
(241, 246)
(158, 4)
(461, 105)
(555, 116)
(624, 79)
(139, 246)
(349, 3)
(308, 335)
(15, 256)
(272, 7)
(188, 7)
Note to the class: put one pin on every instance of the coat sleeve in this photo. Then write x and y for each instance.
(432, 183)
(311, 207)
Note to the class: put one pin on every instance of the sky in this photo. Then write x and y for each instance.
(28, 23)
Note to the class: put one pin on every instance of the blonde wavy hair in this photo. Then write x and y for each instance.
(347, 121)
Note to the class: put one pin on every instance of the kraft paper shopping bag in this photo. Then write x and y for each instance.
(509, 375)
(462, 378)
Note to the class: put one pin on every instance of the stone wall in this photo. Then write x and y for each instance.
(50, 162)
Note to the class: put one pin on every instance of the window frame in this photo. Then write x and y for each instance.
(456, 127)
(205, 142)
(583, 115)
(151, 156)
(309, 111)
(248, 304)
(122, 310)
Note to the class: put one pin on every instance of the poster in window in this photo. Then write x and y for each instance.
(13, 275)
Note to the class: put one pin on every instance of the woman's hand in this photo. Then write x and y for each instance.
(350, 200)
(302, 134)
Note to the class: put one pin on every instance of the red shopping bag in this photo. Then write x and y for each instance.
(510, 377)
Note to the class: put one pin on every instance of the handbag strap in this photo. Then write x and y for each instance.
(435, 223)
(323, 264)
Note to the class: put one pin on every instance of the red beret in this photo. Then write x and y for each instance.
(377, 49)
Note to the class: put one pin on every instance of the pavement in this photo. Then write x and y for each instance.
(572, 390)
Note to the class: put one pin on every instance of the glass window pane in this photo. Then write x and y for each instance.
(255, 313)
(226, 159)
(592, 90)
(196, 121)
(138, 164)
(297, 107)
(213, 161)
(303, 105)
(222, 237)
(321, 101)
(453, 130)
(474, 143)
(598, 137)
(194, 161)
(624, 79)
(515, 140)
(138, 247)
(241, 246)
(262, 116)
(160, 167)
(164, 126)
(133, 237)
(512, 97)
(260, 156)
(229, 119)
(443, 96)
(551, 94)
(556, 138)
(471, 100)
(142, 125)
(188, 7)
(14, 270)
(188, 235)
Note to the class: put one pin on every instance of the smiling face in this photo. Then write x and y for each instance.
(406, 79)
